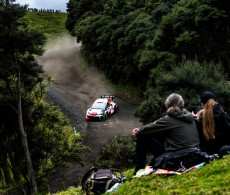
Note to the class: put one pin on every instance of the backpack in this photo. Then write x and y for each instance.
(99, 181)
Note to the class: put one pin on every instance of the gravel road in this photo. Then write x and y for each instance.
(73, 92)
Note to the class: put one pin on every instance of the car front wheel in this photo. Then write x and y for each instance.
(105, 116)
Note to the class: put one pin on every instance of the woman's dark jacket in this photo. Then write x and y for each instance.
(179, 130)
(222, 131)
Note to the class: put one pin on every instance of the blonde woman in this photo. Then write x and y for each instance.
(213, 126)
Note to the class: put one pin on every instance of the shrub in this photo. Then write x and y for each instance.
(189, 79)
(118, 154)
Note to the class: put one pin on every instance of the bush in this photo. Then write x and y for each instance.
(189, 79)
(118, 154)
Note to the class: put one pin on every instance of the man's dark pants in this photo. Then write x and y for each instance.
(147, 144)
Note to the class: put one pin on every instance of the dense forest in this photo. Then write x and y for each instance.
(35, 136)
(158, 46)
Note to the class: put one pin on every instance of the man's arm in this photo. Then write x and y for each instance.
(159, 126)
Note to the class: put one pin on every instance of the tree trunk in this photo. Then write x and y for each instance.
(24, 138)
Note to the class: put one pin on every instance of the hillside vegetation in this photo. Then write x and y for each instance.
(212, 178)
(51, 24)
(31, 127)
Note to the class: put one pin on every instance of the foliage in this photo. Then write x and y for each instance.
(119, 153)
(197, 30)
(112, 32)
(51, 24)
(189, 79)
(152, 108)
(212, 178)
(128, 93)
(55, 141)
(51, 140)
(77, 8)
(132, 42)
(20, 72)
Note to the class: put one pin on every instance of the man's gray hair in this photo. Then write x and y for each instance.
(174, 103)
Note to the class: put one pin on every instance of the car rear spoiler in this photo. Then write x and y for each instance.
(108, 96)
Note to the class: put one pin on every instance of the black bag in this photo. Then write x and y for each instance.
(99, 181)
(183, 159)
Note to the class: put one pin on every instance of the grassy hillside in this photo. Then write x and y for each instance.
(212, 178)
(52, 24)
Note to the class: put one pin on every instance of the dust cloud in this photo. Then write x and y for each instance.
(61, 60)
(58, 60)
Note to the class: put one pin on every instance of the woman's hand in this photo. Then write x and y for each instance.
(194, 115)
(198, 115)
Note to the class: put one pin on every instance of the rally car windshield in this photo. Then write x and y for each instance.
(98, 105)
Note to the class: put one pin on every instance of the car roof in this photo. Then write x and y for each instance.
(101, 100)
(99, 104)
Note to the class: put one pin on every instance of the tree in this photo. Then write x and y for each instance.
(196, 29)
(6, 2)
(19, 69)
(189, 79)
(115, 38)
(77, 8)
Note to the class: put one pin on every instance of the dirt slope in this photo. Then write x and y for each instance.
(74, 92)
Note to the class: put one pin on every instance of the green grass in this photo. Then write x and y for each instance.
(212, 178)
(51, 24)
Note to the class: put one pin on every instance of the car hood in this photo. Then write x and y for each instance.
(94, 111)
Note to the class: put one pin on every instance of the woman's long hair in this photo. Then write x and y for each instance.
(208, 120)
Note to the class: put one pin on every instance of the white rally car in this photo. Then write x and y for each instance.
(102, 108)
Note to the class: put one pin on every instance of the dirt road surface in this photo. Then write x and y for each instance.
(73, 92)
